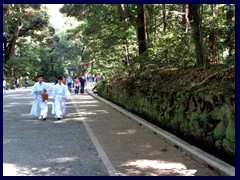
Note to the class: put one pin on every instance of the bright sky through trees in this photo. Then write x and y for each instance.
(56, 18)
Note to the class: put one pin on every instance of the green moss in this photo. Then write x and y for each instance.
(200, 132)
(166, 115)
(194, 117)
(181, 114)
(219, 131)
(205, 117)
(230, 131)
(229, 147)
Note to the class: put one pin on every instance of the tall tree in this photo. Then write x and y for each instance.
(185, 17)
(141, 28)
(230, 16)
(20, 19)
(165, 32)
(122, 13)
(195, 21)
(212, 36)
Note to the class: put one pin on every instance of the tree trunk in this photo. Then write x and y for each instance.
(122, 13)
(52, 67)
(11, 50)
(212, 37)
(185, 21)
(167, 56)
(5, 49)
(141, 29)
(164, 19)
(185, 17)
(230, 15)
(195, 21)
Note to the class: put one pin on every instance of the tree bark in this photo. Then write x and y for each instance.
(141, 29)
(11, 51)
(230, 15)
(195, 21)
(167, 56)
(185, 17)
(121, 9)
(212, 37)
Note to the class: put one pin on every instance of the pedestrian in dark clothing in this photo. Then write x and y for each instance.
(25, 83)
(82, 81)
(56, 80)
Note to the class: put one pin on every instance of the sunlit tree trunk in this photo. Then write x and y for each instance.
(185, 17)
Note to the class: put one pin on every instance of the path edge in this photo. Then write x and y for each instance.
(201, 156)
(107, 163)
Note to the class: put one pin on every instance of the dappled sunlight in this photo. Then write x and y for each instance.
(25, 114)
(63, 159)
(83, 97)
(86, 113)
(17, 170)
(92, 105)
(15, 104)
(160, 167)
(5, 141)
(129, 131)
(102, 111)
(10, 169)
(85, 102)
(155, 164)
(14, 96)
(147, 146)
(67, 119)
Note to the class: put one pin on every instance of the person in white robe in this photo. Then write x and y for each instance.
(60, 94)
(39, 107)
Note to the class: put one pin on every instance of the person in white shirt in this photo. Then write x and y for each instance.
(39, 107)
(4, 86)
(60, 93)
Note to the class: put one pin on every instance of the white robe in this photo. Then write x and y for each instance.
(59, 94)
(39, 107)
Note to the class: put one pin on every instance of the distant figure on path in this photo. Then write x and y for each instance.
(56, 81)
(60, 93)
(17, 83)
(77, 85)
(69, 83)
(4, 86)
(39, 107)
(82, 81)
(25, 83)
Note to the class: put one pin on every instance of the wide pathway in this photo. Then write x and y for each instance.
(92, 140)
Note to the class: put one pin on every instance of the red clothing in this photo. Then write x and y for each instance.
(76, 82)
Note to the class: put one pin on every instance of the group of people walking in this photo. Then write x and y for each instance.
(60, 93)
(78, 83)
(40, 93)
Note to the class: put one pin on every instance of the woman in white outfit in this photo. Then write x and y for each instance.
(60, 93)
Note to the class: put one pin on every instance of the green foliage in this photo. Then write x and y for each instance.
(106, 39)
